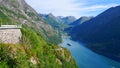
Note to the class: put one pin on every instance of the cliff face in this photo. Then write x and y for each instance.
(18, 12)
(34, 51)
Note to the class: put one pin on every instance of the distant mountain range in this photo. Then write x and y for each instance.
(67, 20)
(59, 23)
(77, 22)
(80, 20)
(53, 21)
(101, 33)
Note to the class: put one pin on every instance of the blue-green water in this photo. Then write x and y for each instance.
(85, 58)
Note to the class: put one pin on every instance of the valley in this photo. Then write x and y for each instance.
(86, 58)
(48, 40)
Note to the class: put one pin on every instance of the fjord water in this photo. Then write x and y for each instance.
(85, 58)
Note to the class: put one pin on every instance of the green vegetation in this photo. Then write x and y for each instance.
(38, 47)
(3, 18)
(11, 13)
(54, 22)
(34, 48)
(50, 19)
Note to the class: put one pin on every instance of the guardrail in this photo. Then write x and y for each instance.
(10, 26)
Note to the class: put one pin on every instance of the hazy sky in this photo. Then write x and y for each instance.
(75, 8)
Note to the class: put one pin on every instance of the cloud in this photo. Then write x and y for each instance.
(54, 4)
(98, 7)
(57, 7)
(67, 7)
(93, 10)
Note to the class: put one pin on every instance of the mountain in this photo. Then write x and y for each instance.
(77, 22)
(67, 20)
(17, 11)
(102, 33)
(80, 20)
(53, 21)
(38, 47)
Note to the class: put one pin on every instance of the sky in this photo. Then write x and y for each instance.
(75, 8)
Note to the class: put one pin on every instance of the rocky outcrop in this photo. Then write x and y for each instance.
(17, 11)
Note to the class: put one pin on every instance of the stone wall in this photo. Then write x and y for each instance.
(10, 35)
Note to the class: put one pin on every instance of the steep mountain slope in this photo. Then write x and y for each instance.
(77, 22)
(53, 21)
(34, 51)
(17, 11)
(102, 33)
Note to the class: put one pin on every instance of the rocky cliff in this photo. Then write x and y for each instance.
(38, 48)
(18, 12)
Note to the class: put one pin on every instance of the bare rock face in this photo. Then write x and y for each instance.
(18, 11)
(0, 1)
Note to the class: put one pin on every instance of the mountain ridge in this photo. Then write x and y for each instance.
(21, 13)
(101, 33)
(66, 20)
(39, 40)
(80, 20)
